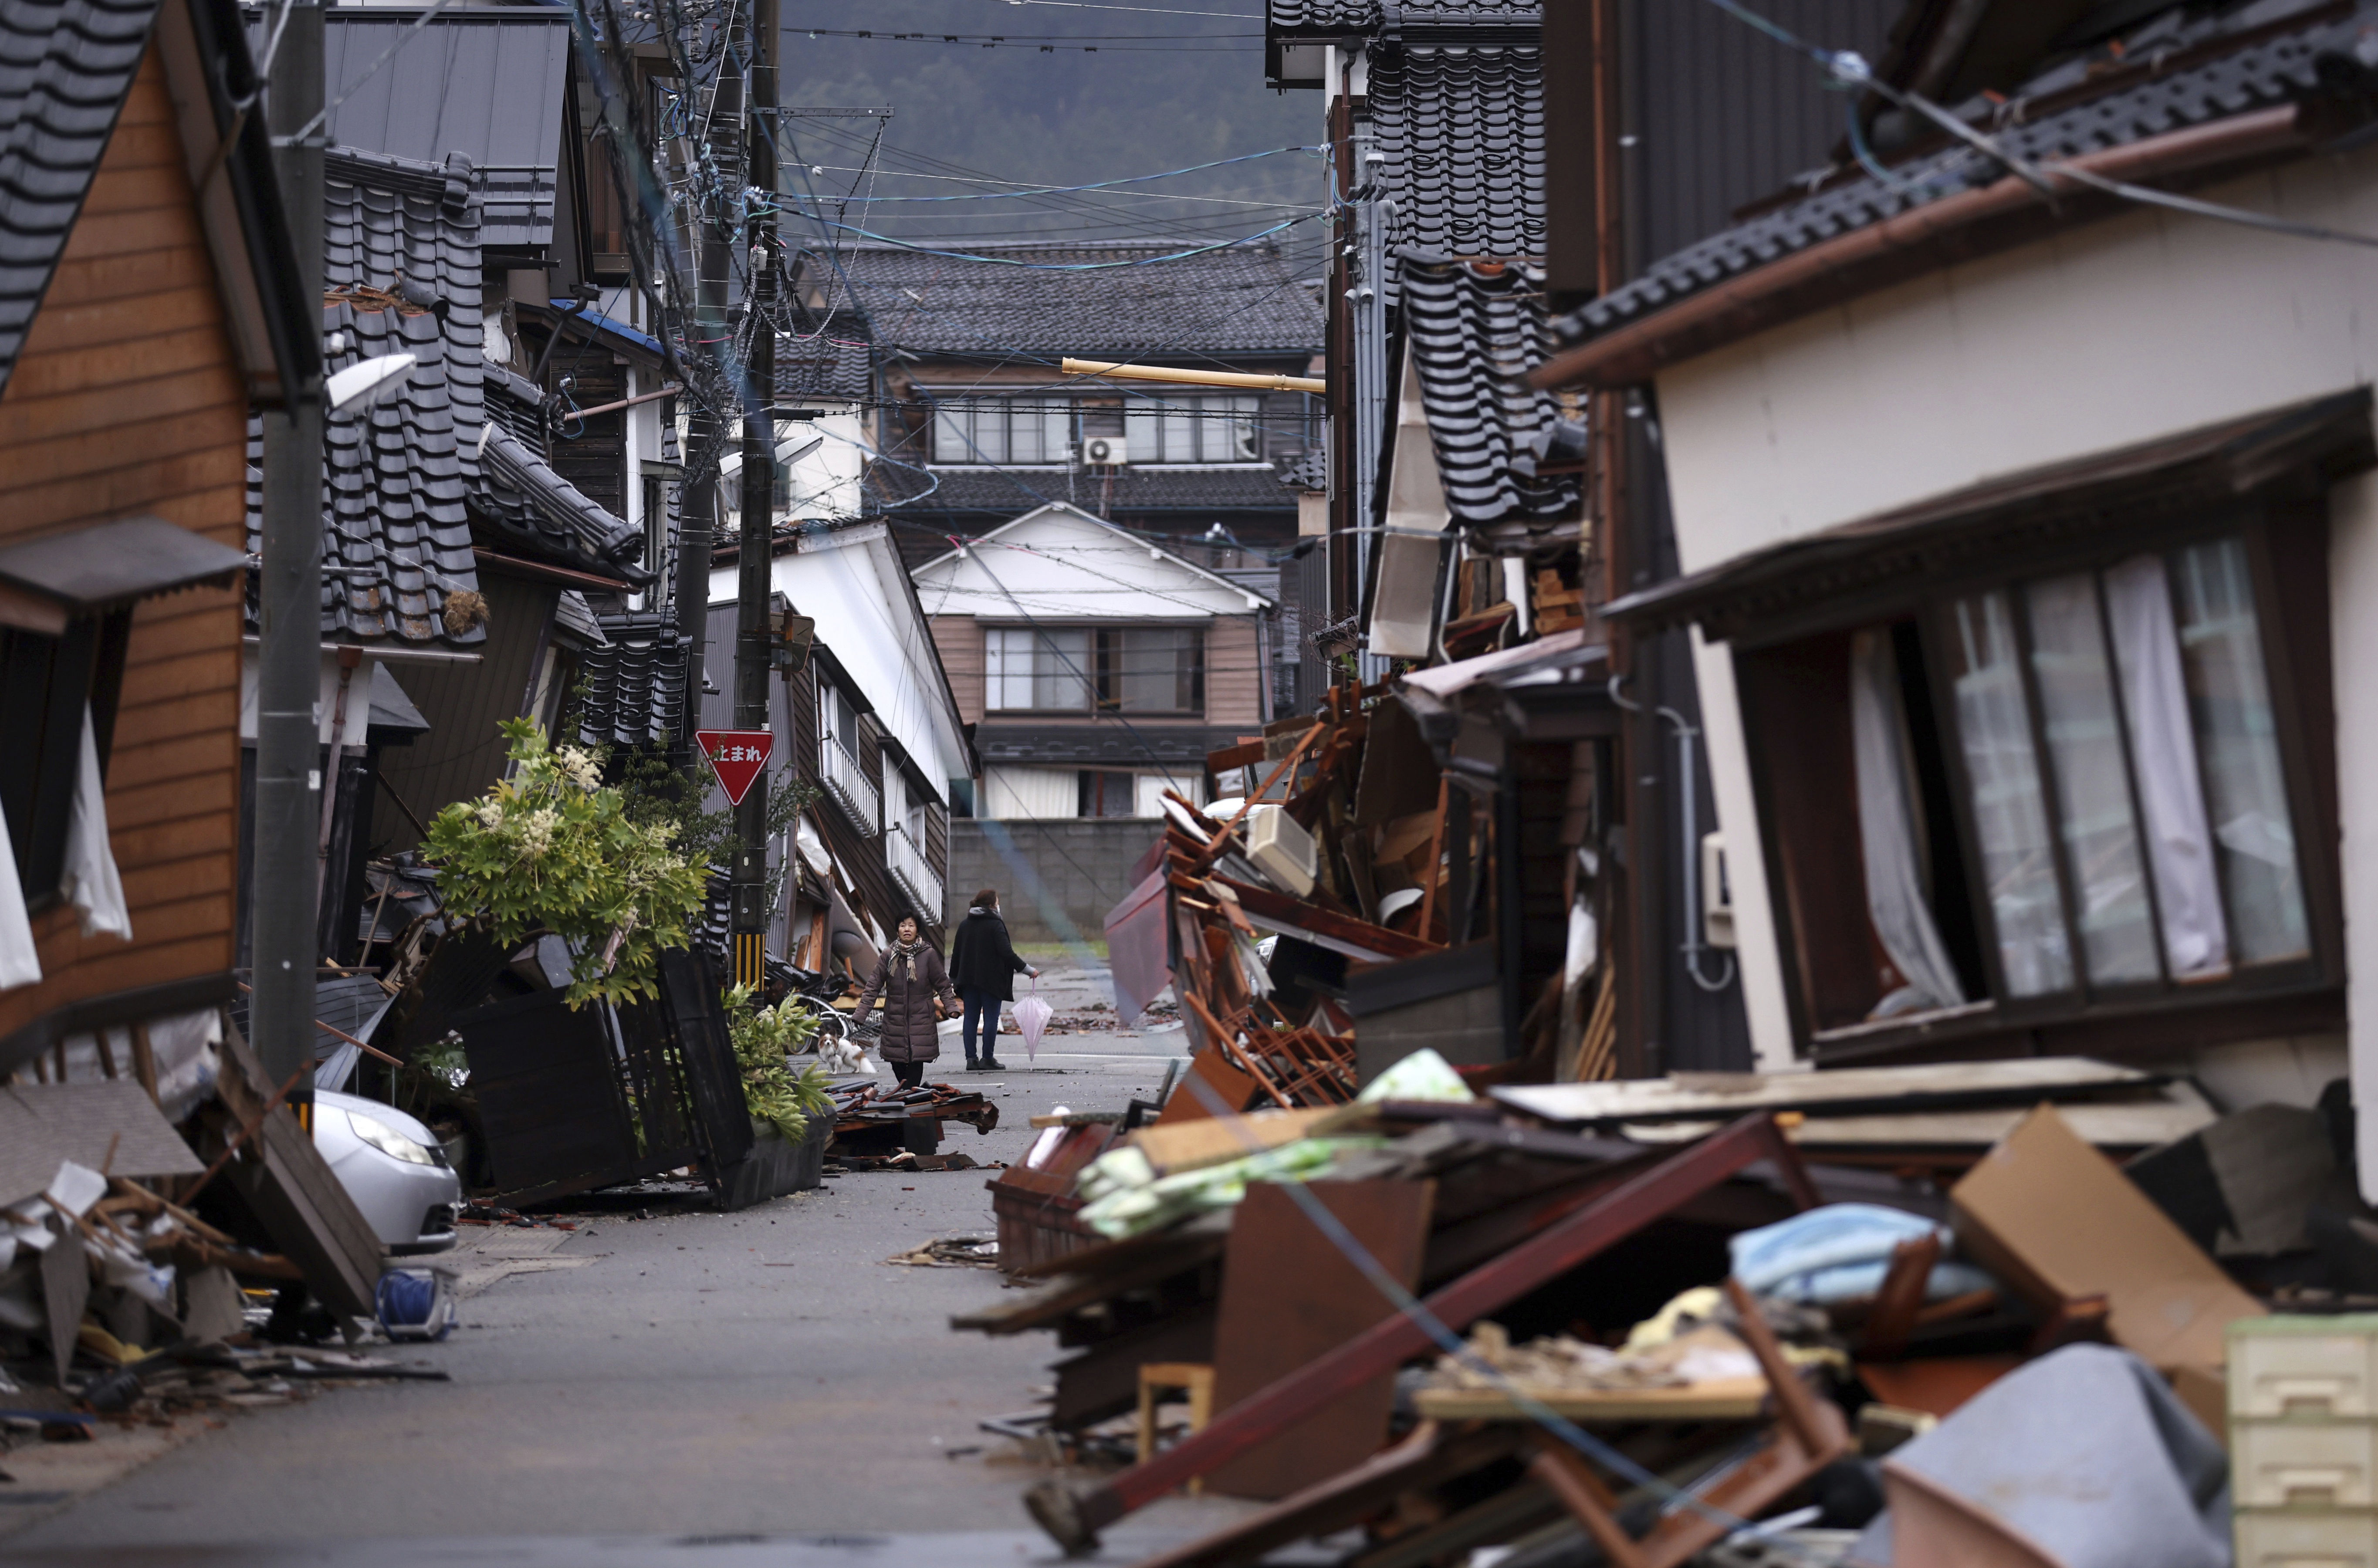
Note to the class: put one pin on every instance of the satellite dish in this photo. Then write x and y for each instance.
(361, 385)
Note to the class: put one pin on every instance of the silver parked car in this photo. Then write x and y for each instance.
(393, 1167)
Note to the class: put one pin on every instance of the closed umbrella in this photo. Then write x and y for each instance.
(1031, 1017)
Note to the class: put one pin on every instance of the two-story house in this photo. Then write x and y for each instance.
(1096, 669)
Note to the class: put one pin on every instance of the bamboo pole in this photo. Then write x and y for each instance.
(1194, 377)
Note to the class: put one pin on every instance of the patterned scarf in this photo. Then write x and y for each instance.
(904, 958)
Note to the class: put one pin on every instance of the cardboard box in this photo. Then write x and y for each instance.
(2055, 1219)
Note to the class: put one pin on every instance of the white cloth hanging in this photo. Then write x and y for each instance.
(1894, 889)
(90, 880)
(21, 964)
(2163, 759)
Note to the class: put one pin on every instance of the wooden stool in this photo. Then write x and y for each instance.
(1194, 1378)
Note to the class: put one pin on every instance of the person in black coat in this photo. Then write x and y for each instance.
(983, 967)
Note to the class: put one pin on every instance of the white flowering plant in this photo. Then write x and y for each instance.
(553, 849)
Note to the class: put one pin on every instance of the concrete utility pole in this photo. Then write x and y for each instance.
(748, 917)
(718, 141)
(289, 687)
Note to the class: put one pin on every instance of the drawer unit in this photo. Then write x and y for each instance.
(2307, 1538)
(2304, 1368)
(2303, 1464)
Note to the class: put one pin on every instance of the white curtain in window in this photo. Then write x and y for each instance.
(1894, 887)
(91, 882)
(2162, 758)
(1142, 433)
(21, 964)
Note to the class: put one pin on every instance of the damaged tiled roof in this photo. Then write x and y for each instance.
(1239, 299)
(405, 480)
(634, 682)
(1011, 493)
(64, 69)
(525, 501)
(1461, 147)
(1323, 18)
(1343, 18)
(2149, 98)
(400, 243)
(1476, 331)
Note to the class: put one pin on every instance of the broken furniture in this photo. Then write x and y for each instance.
(1191, 1379)
(1074, 1515)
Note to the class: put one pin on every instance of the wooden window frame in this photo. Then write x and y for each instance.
(1103, 654)
(41, 710)
(2285, 537)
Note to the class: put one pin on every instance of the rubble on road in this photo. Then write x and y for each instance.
(951, 1252)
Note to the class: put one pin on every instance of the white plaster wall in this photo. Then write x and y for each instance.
(2121, 332)
(2118, 333)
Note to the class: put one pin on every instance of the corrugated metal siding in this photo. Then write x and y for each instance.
(1725, 115)
(463, 751)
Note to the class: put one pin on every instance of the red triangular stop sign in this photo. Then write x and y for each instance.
(736, 757)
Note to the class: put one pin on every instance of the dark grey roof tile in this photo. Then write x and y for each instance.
(65, 66)
(1240, 299)
(1476, 331)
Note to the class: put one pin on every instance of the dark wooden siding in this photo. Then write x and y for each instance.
(591, 453)
(126, 398)
(1724, 115)
(463, 751)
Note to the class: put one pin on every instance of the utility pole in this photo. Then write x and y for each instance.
(748, 918)
(719, 146)
(288, 745)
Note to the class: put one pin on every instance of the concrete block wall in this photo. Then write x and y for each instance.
(1050, 873)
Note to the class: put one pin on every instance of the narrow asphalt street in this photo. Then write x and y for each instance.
(691, 1382)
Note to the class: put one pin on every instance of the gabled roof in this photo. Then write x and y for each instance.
(489, 83)
(1058, 561)
(1239, 299)
(2183, 69)
(65, 66)
(1475, 332)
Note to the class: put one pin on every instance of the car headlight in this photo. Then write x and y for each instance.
(389, 1141)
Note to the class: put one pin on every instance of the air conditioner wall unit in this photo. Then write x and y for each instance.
(1104, 451)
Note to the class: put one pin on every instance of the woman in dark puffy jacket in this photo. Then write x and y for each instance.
(983, 966)
(907, 980)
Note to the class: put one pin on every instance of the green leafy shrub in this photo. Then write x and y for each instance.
(553, 849)
(763, 1037)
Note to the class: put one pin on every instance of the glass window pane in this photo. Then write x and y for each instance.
(2093, 789)
(1024, 433)
(952, 433)
(1142, 433)
(1149, 664)
(989, 431)
(1056, 432)
(1007, 668)
(1181, 430)
(2238, 749)
(1233, 439)
(1062, 670)
(2010, 818)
